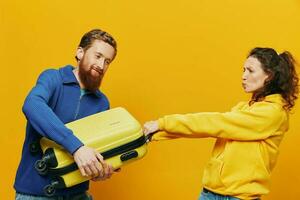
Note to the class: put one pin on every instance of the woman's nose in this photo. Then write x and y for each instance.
(244, 76)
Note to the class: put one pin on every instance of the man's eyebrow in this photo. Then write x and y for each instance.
(99, 53)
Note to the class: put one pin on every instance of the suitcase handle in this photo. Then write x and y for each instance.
(149, 136)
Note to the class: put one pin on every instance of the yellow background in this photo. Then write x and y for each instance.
(174, 57)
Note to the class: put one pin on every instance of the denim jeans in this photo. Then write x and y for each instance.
(81, 196)
(207, 195)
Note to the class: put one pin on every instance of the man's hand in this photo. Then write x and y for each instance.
(91, 163)
(151, 127)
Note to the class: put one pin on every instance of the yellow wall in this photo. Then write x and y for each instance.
(174, 57)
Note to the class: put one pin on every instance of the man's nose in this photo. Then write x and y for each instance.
(101, 63)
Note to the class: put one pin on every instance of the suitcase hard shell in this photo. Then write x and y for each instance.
(114, 133)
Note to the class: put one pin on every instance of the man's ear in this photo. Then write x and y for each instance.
(79, 53)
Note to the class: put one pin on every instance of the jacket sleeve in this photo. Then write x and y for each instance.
(263, 120)
(42, 117)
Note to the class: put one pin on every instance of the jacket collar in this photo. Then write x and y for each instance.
(68, 75)
(274, 98)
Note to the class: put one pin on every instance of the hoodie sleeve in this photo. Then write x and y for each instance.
(263, 120)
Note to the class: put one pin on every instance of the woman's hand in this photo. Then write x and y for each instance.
(151, 127)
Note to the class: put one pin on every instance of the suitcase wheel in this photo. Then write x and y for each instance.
(35, 148)
(41, 167)
(49, 190)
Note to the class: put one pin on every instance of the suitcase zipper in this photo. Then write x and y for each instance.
(107, 154)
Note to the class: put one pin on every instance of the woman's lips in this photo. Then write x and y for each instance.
(244, 85)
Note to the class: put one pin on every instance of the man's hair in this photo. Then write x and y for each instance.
(97, 34)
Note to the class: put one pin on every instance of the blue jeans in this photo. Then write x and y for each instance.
(207, 195)
(81, 196)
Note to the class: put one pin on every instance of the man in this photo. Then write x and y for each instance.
(61, 96)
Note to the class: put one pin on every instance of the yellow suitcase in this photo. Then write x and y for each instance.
(114, 133)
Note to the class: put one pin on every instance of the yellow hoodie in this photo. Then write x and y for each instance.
(247, 144)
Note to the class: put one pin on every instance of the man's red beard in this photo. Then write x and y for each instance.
(90, 82)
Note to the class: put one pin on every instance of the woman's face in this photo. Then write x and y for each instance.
(253, 76)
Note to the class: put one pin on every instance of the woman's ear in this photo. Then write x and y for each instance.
(79, 53)
(269, 77)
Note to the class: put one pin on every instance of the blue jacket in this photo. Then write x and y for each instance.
(54, 101)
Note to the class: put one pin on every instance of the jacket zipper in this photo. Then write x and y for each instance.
(78, 107)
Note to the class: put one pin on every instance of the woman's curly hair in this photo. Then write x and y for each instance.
(282, 78)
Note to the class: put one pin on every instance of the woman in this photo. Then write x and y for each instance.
(248, 136)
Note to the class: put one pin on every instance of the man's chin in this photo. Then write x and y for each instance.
(94, 87)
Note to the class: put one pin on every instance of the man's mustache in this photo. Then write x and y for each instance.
(97, 69)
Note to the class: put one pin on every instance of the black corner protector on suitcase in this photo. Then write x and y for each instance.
(50, 158)
(107, 154)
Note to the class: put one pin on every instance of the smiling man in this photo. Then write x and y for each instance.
(59, 97)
